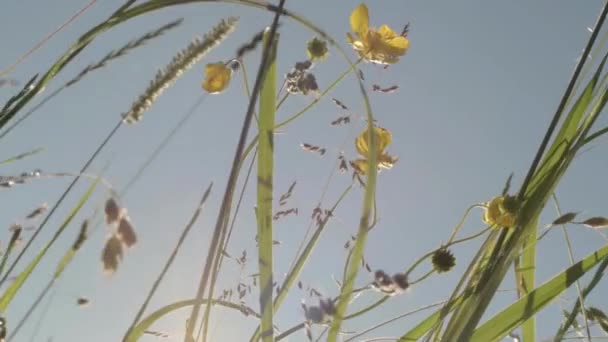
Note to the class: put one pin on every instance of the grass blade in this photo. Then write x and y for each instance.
(599, 273)
(514, 315)
(147, 322)
(265, 189)
(224, 212)
(22, 155)
(368, 201)
(527, 275)
(12, 290)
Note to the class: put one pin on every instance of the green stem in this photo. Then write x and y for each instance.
(560, 108)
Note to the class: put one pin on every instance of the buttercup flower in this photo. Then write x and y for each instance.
(316, 49)
(501, 211)
(383, 139)
(217, 77)
(382, 46)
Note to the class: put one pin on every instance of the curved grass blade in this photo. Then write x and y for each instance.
(147, 322)
(12, 290)
(265, 189)
(510, 318)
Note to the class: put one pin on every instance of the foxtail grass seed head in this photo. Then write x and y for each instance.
(217, 77)
(443, 260)
(126, 233)
(501, 211)
(125, 49)
(316, 49)
(180, 63)
(112, 254)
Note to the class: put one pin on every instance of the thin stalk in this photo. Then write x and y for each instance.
(571, 257)
(380, 325)
(170, 260)
(227, 198)
(31, 309)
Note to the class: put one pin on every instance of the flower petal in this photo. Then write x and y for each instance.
(386, 32)
(361, 144)
(384, 138)
(399, 45)
(359, 20)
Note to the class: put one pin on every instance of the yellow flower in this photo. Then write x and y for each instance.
(383, 139)
(501, 211)
(217, 77)
(382, 46)
(316, 49)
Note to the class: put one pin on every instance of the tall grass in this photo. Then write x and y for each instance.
(507, 244)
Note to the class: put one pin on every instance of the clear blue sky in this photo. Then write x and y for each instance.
(476, 92)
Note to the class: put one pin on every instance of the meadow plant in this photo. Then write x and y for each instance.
(507, 243)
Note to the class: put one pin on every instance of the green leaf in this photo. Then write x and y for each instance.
(265, 190)
(528, 277)
(147, 322)
(12, 290)
(570, 127)
(510, 318)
